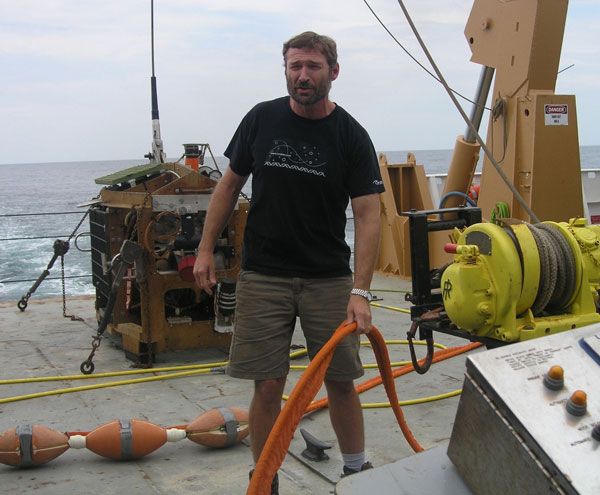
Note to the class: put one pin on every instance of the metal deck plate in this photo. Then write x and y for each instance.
(40, 342)
(427, 472)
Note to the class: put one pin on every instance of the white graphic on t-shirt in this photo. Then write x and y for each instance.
(307, 158)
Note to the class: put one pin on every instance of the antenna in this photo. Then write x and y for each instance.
(156, 155)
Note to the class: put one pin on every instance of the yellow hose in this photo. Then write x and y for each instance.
(101, 385)
(399, 363)
(409, 402)
(195, 370)
(185, 367)
(391, 290)
(414, 401)
(400, 310)
(366, 342)
(114, 373)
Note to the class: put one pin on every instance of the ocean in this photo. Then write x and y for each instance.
(26, 240)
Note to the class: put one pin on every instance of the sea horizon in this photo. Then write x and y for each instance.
(26, 240)
(593, 159)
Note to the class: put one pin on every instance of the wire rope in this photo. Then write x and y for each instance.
(40, 214)
(479, 139)
(416, 60)
(49, 278)
(451, 93)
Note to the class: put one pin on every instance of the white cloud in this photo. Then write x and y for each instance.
(84, 67)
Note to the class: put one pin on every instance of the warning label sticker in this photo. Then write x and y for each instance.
(556, 114)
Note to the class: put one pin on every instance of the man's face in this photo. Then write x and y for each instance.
(308, 75)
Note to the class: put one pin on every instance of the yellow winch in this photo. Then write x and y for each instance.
(521, 281)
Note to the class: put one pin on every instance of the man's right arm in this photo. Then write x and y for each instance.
(221, 206)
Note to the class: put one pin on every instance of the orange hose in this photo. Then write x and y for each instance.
(307, 387)
(440, 355)
(282, 432)
(383, 361)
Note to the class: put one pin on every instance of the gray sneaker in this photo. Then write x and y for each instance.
(364, 467)
(274, 483)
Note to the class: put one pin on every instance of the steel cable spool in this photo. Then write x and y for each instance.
(523, 281)
(557, 269)
(561, 276)
(565, 285)
(557, 282)
(548, 268)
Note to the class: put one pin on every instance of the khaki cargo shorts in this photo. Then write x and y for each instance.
(266, 312)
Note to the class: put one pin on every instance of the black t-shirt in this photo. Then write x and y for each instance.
(303, 173)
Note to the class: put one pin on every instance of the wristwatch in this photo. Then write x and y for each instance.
(364, 293)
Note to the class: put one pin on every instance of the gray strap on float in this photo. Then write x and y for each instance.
(231, 426)
(25, 434)
(126, 439)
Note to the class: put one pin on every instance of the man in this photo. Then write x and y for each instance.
(307, 157)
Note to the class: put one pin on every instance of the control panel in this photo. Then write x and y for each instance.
(541, 400)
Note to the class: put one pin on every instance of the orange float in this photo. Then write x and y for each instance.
(28, 445)
(220, 427)
(126, 439)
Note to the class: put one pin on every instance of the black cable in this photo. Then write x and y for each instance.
(566, 68)
(416, 61)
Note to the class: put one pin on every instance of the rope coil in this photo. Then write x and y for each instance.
(557, 269)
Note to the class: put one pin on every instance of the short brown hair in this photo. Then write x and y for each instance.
(308, 39)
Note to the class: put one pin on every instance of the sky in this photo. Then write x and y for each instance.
(75, 78)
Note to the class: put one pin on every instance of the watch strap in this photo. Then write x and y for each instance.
(362, 292)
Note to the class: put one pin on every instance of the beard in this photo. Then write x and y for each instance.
(319, 91)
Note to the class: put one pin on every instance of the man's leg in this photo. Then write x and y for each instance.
(264, 409)
(323, 304)
(346, 416)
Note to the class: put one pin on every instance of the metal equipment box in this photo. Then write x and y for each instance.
(514, 434)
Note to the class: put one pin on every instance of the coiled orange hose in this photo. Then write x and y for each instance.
(307, 387)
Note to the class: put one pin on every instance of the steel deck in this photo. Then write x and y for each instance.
(40, 342)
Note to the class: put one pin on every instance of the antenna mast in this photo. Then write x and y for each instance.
(156, 155)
